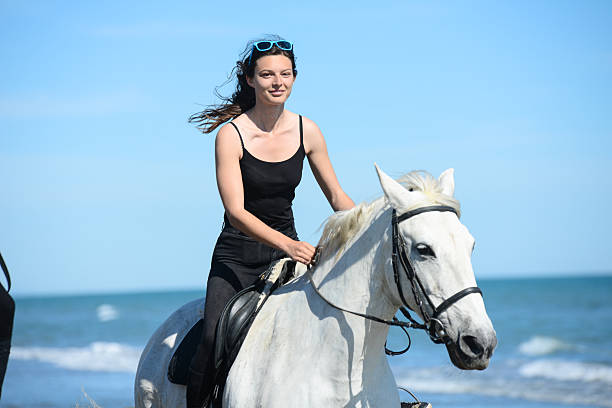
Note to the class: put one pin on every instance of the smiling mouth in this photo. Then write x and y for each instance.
(277, 92)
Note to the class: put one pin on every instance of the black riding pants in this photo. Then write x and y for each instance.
(237, 262)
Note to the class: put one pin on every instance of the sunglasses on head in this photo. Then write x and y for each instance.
(266, 45)
(262, 46)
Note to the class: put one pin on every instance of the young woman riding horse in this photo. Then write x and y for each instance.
(259, 156)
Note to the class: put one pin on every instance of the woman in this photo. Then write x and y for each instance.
(259, 157)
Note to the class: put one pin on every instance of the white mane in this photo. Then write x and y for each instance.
(342, 226)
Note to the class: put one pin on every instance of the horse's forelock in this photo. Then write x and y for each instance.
(431, 190)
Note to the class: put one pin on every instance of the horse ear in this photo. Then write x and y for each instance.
(394, 191)
(447, 181)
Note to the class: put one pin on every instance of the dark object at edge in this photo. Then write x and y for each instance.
(7, 315)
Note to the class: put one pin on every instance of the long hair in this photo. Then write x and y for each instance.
(243, 97)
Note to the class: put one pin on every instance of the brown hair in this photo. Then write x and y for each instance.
(243, 97)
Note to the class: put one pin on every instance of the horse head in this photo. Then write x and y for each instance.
(435, 278)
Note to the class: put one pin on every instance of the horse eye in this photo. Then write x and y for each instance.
(425, 250)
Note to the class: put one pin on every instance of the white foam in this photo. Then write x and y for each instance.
(107, 312)
(448, 380)
(99, 356)
(567, 371)
(540, 345)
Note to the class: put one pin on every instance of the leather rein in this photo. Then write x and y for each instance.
(432, 325)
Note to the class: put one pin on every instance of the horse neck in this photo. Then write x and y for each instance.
(355, 280)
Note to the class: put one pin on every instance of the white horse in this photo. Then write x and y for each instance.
(302, 352)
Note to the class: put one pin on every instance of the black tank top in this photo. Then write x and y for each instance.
(269, 187)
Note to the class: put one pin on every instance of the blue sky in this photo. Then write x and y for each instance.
(106, 187)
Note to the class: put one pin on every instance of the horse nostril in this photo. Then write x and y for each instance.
(472, 342)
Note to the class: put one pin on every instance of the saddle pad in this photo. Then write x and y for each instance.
(178, 368)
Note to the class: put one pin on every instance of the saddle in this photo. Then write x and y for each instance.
(232, 328)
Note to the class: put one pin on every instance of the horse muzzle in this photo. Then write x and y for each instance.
(472, 351)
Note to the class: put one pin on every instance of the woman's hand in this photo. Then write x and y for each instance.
(300, 251)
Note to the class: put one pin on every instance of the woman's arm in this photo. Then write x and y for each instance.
(316, 150)
(229, 181)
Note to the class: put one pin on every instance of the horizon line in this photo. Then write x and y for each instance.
(183, 289)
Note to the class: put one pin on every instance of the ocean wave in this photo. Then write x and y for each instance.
(540, 345)
(107, 313)
(98, 356)
(568, 371)
(504, 383)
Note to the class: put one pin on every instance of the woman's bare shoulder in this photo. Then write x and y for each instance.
(313, 138)
(227, 140)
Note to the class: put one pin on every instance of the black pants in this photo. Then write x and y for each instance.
(237, 262)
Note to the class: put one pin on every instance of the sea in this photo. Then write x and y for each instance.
(554, 349)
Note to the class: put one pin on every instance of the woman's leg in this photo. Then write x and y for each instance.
(226, 278)
(224, 281)
(222, 285)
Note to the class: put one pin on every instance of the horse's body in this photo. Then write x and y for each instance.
(301, 352)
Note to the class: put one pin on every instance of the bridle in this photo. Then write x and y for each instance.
(432, 324)
(431, 313)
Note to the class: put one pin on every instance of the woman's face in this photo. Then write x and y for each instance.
(272, 79)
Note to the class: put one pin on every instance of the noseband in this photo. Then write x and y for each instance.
(431, 324)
